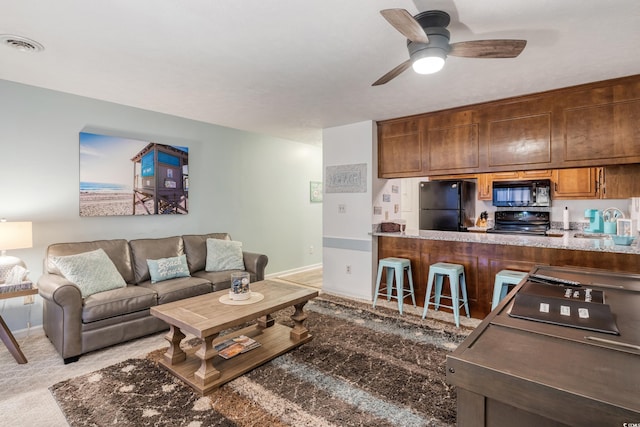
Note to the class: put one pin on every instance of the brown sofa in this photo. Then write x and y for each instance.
(77, 325)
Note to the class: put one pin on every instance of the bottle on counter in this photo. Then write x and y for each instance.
(565, 218)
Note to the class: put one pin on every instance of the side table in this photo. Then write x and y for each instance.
(6, 335)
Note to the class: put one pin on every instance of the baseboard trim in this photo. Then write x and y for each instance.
(293, 271)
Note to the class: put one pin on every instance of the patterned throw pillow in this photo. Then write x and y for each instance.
(92, 271)
(224, 255)
(168, 268)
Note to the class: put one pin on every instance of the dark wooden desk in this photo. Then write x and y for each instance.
(513, 371)
(5, 334)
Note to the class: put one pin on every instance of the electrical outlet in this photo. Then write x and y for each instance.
(348, 269)
(29, 299)
(342, 209)
(310, 250)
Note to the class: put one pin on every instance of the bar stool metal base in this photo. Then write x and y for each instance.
(395, 267)
(457, 280)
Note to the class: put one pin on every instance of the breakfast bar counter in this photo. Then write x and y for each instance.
(483, 255)
(556, 239)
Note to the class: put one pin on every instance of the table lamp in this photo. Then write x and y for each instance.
(13, 235)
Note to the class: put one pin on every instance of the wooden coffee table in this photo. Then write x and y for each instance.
(205, 317)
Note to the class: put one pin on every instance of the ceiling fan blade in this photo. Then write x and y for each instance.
(393, 73)
(402, 21)
(488, 48)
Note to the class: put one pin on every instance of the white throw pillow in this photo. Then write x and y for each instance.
(224, 255)
(168, 268)
(92, 271)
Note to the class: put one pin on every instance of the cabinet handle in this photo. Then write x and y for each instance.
(555, 187)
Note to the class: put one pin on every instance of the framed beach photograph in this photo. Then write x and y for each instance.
(624, 227)
(123, 176)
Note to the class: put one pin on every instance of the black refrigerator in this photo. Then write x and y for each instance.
(447, 205)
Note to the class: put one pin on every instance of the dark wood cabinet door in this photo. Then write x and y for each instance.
(399, 149)
(453, 148)
(621, 181)
(518, 141)
(603, 123)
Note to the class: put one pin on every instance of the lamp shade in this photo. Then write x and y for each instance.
(15, 235)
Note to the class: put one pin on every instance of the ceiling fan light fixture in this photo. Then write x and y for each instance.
(428, 61)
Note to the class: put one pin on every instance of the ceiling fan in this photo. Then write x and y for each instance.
(428, 43)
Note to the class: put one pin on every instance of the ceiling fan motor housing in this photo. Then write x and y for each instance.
(438, 39)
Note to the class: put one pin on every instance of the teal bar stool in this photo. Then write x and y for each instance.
(455, 273)
(395, 267)
(504, 278)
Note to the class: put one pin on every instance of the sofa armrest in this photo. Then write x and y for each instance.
(255, 263)
(62, 314)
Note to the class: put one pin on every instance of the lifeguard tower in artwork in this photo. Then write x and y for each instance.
(161, 180)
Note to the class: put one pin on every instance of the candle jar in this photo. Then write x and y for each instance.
(239, 286)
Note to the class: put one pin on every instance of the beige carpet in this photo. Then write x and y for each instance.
(24, 397)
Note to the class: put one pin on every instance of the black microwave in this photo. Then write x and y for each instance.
(522, 193)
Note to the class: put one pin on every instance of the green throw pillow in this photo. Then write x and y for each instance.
(92, 271)
(224, 255)
(168, 268)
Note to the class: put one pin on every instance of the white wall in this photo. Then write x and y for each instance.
(347, 239)
(252, 186)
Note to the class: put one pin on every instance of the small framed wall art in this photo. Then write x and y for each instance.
(315, 191)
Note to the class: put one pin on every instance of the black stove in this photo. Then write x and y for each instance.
(521, 222)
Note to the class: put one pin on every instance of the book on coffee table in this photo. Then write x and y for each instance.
(234, 346)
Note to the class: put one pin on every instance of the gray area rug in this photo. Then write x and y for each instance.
(364, 367)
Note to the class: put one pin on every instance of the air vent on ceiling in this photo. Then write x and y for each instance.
(21, 43)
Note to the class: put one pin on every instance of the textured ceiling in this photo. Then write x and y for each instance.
(289, 68)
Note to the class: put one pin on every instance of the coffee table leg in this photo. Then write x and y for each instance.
(298, 331)
(174, 353)
(266, 321)
(207, 372)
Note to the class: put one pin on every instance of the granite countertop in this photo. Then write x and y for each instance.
(565, 241)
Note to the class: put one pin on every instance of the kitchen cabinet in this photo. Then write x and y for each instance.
(590, 125)
(484, 186)
(603, 124)
(609, 182)
(451, 142)
(575, 183)
(399, 149)
(620, 181)
(517, 133)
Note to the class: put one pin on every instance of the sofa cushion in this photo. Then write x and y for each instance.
(144, 249)
(195, 246)
(224, 255)
(118, 251)
(168, 268)
(220, 279)
(179, 288)
(117, 302)
(92, 271)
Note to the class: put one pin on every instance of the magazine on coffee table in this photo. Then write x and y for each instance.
(234, 346)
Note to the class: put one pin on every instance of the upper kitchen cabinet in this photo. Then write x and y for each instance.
(591, 125)
(517, 134)
(620, 181)
(451, 142)
(576, 183)
(609, 182)
(602, 124)
(399, 148)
